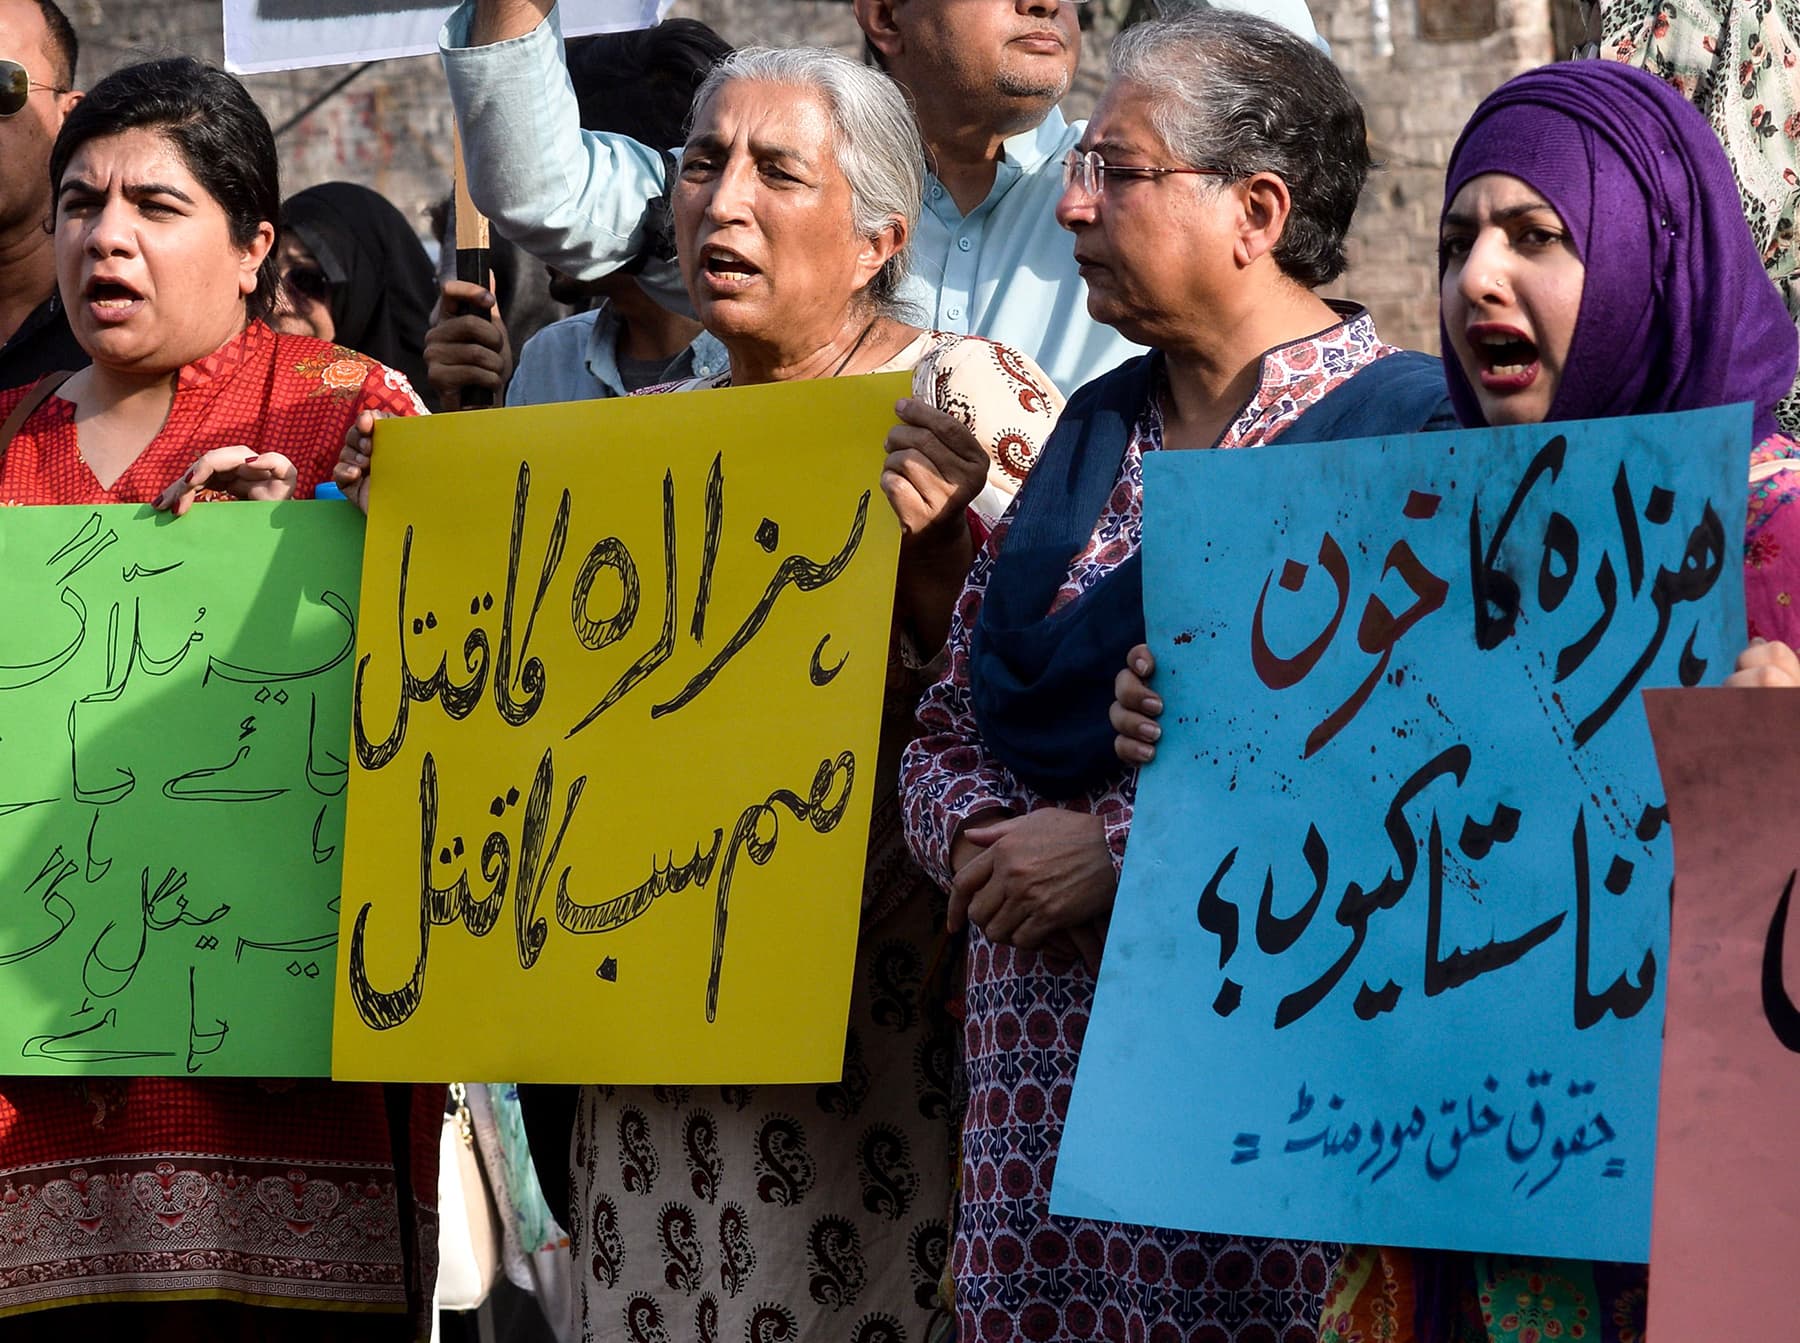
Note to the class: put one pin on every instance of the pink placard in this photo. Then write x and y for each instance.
(1726, 1221)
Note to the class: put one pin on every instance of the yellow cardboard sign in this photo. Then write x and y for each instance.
(617, 698)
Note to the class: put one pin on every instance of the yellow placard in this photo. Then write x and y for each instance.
(617, 698)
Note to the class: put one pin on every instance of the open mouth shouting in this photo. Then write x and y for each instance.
(724, 272)
(1506, 358)
(111, 300)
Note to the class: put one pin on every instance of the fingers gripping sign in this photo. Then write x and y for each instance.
(467, 347)
(935, 467)
(352, 471)
(238, 471)
(1135, 709)
(1766, 664)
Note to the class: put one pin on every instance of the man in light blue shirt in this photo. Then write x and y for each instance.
(985, 77)
(578, 359)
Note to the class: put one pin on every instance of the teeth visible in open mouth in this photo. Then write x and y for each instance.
(723, 263)
(1507, 355)
(105, 294)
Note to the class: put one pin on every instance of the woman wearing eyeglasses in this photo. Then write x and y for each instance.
(162, 1208)
(1209, 198)
(354, 272)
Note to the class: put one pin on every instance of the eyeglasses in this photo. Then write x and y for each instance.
(307, 282)
(1088, 168)
(16, 85)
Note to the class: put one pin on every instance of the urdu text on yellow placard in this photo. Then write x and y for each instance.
(614, 726)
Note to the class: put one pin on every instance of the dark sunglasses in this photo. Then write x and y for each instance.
(16, 85)
(307, 282)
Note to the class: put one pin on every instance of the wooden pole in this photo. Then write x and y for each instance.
(471, 256)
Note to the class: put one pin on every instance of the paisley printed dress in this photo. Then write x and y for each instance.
(779, 1213)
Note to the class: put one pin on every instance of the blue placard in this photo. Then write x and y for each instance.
(1388, 955)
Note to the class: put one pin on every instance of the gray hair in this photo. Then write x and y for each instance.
(1241, 95)
(875, 141)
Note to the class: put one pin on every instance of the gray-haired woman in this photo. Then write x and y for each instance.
(802, 1212)
(1209, 197)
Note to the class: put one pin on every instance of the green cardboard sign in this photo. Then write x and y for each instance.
(174, 700)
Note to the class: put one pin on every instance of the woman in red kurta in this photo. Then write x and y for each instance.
(167, 1207)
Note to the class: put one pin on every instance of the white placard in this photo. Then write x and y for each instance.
(263, 35)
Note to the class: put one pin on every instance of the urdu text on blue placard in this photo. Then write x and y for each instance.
(1387, 960)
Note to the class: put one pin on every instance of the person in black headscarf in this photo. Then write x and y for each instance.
(354, 272)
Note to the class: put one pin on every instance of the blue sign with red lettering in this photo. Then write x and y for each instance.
(1388, 955)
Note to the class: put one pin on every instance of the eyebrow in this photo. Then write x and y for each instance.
(1104, 146)
(132, 190)
(1501, 216)
(712, 144)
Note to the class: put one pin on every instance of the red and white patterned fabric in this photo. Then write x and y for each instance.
(162, 1188)
(1021, 1274)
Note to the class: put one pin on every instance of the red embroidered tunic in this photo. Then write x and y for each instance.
(273, 1193)
(288, 394)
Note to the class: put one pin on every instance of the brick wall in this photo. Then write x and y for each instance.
(1416, 99)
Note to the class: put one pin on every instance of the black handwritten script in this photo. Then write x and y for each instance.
(174, 705)
(1407, 794)
(1532, 1131)
(1777, 998)
(597, 702)
(1487, 679)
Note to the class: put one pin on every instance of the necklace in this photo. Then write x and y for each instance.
(843, 363)
(851, 353)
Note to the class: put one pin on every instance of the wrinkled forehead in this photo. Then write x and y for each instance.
(794, 119)
(1496, 196)
(1124, 120)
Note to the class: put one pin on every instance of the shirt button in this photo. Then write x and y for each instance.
(953, 313)
(937, 193)
(964, 244)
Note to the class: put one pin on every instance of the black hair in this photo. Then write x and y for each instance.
(642, 84)
(65, 47)
(222, 136)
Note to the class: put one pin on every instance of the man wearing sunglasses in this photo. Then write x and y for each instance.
(984, 77)
(37, 74)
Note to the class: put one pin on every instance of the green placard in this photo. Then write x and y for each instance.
(173, 730)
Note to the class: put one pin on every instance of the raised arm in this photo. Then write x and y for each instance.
(574, 199)
(499, 20)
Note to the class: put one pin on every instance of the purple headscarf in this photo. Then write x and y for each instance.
(1677, 312)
